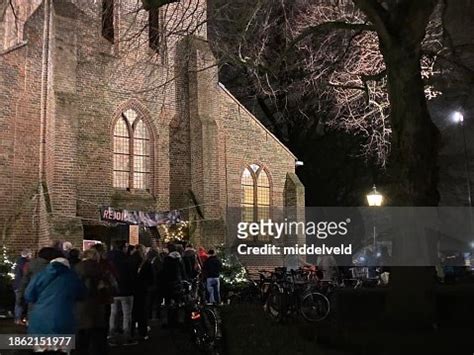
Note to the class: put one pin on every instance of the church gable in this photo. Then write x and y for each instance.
(141, 124)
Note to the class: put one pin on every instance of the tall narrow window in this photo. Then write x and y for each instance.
(263, 195)
(132, 152)
(141, 156)
(255, 198)
(108, 20)
(121, 154)
(247, 182)
(154, 29)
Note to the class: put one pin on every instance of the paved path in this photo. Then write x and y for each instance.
(162, 341)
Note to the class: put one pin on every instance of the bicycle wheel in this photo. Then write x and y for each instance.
(315, 307)
(264, 291)
(274, 305)
(211, 320)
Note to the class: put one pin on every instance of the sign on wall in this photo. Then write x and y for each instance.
(88, 243)
(133, 235)
(146, 219)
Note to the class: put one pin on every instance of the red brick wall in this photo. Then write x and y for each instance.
(202, 137)
(225, 139)
(20, 97)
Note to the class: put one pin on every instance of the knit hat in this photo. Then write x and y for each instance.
(63, 261)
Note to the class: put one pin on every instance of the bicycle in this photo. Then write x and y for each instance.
(363, 277)
(289, 296)
(203, 320)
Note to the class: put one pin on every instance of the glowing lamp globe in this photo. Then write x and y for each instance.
(374, 198)
(458, 117)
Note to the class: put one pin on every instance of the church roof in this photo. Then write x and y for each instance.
(256, 119)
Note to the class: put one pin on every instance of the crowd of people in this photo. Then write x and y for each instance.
(107, 297)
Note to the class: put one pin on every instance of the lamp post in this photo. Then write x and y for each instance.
(459, 119)
(375, 199)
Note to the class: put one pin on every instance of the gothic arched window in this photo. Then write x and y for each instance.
(132, 152)
(255, 197)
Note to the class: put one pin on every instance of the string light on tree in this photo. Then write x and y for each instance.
(7, 266)
(176, 232)
(234, 275)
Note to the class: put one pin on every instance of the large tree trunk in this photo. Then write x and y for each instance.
(413, 176)
(413, 172)
(413, 166)
(401, 27)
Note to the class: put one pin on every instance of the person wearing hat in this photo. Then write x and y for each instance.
(54, 292)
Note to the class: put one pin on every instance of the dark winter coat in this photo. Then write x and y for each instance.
(35, 266)
(144, 276)
(157, 264)
(73, 261)
(212, 267)
(19, 270)
(173, 269)
(91, 310)
(190, 263)
(123, 271)
(54, 292)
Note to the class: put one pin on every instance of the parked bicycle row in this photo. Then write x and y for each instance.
(304, 292)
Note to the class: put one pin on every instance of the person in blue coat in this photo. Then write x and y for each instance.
(54, 292)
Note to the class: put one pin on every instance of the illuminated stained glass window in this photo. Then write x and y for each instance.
(263, 195)
(248, 199)
(255, 199)
(141, 156)
(132, 152)
(121, 154)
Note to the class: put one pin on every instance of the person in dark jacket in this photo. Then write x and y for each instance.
(109, 275)
(74, 257)
(173, 275)
(35, 266)
(212, 269)
(144, 278)
(107, 271)
(21, 268)
(124, 275)
(54, 292)
(157, 291)
(92, 333)
(151, 298)
(173, 270)
(191, 265)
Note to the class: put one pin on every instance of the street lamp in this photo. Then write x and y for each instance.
(458, 117)
(375, 199)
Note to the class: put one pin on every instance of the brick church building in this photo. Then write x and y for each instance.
(105, 105)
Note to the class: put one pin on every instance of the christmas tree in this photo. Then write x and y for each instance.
(7, 267)
(233, 275)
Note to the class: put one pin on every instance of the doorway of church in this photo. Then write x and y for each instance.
(120, 232)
